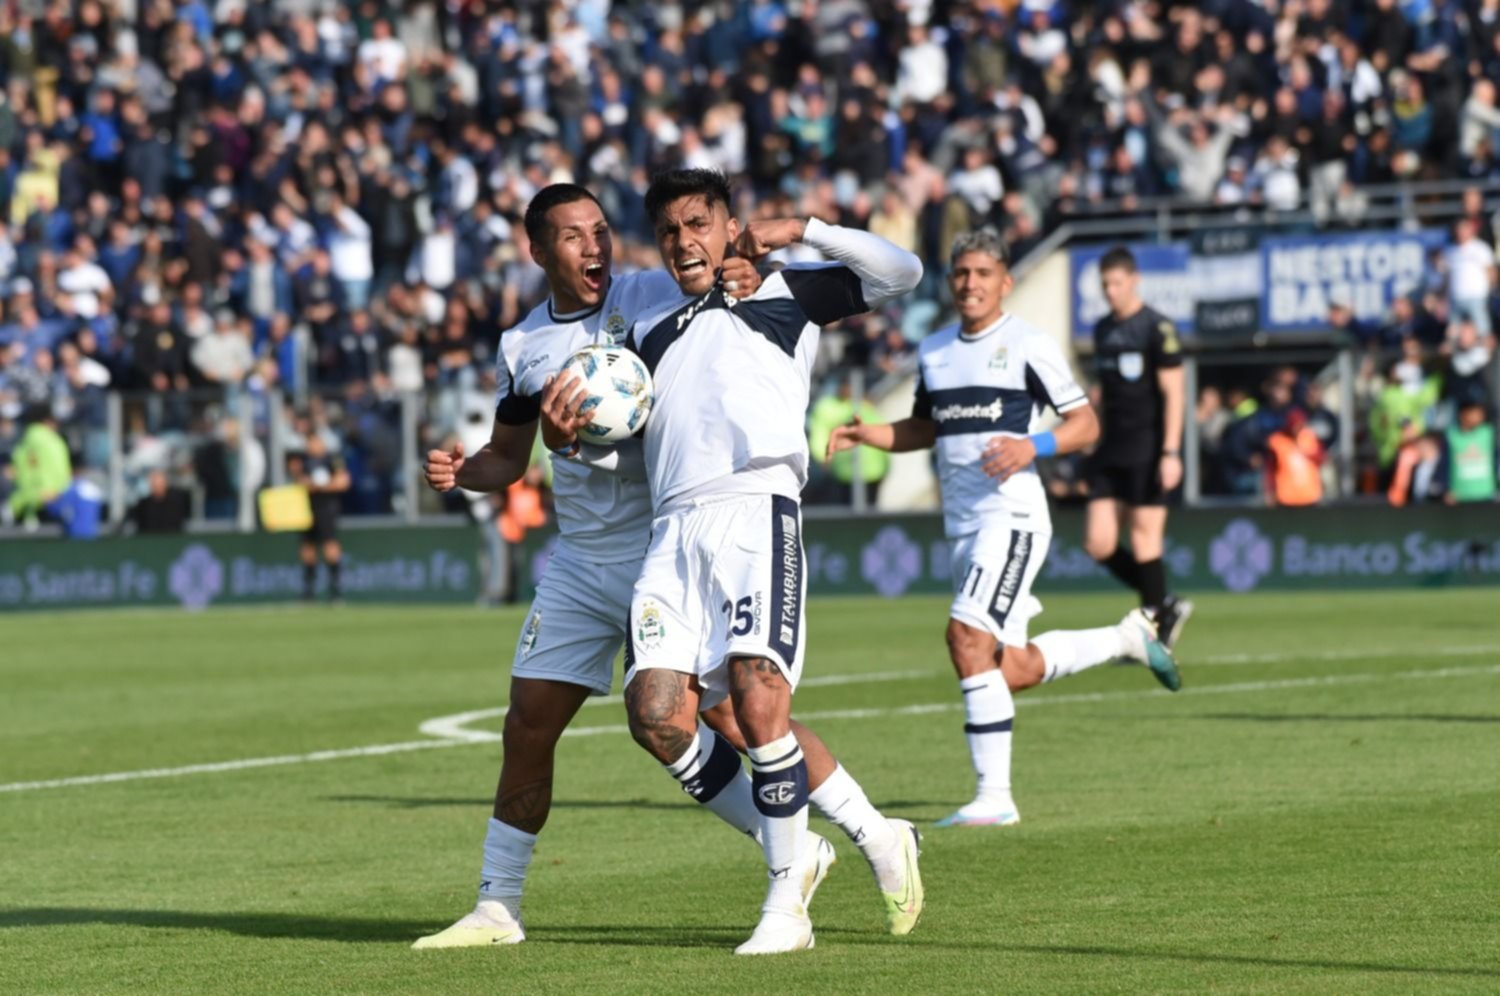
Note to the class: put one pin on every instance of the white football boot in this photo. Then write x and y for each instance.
(490, 923)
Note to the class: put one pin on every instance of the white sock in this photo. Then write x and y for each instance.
(710, 771)
(989, 712)
(1070, 651)
(780, 783)
(844, 804)
(507, 854)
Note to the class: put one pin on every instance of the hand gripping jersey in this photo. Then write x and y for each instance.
(974, 388)
(604, 518)
(732, 377)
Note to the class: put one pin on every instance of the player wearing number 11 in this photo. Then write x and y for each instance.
(981, 385)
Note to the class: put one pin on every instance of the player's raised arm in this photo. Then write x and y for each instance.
(873, 270)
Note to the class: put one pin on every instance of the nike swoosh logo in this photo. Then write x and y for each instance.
(908, 898)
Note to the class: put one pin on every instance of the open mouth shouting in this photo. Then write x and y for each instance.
(595, 276)
(691, 266)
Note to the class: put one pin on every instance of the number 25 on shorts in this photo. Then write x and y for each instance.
(739, 614)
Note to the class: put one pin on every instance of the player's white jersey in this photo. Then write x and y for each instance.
(603, 517)
(974, 388)
(732, 377)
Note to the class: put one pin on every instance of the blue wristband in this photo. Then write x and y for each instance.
(1045, 443)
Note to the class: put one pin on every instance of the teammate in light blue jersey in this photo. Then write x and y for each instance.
(981, 387)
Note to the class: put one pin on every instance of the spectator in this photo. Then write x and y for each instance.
(350, 246)
(1469, 358)
(1472, 458)
(163, 510)
(1419, 473)
(41, 468)
(828, 413)
(1404, 409)
(1200, 156)
(1472, 264)
(1293, 458)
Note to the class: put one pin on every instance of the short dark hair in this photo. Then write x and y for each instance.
(551, 196)
(674, 184)
(1118, 258)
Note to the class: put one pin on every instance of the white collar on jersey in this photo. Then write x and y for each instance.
(988, 329)
(577, 315)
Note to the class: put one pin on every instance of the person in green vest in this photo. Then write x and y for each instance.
(40, 465)
(832, 411)
(1401, 411)
(1471, 455)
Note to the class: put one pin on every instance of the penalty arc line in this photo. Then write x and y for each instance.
(376, 750)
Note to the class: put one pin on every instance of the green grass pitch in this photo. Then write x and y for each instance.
(1316, 812)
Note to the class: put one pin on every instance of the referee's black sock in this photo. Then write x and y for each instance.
(1153, 586)
(1122, 565)
(309, 579)
(335, 578)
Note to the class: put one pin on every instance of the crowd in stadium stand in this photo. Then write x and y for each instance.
(194, 187)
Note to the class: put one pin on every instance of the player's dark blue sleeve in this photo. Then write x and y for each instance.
(922, 406)
(514, 408)
(826, 293)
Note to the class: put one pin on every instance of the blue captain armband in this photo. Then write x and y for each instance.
(1045, 443)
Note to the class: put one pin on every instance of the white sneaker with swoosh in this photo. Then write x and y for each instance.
(904, 908)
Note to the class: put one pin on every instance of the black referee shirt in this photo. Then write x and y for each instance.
(1128, 355)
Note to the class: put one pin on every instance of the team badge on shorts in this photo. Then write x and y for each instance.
(649, 629)
(533, 627)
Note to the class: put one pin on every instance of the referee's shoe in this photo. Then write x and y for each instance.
(1170, 618)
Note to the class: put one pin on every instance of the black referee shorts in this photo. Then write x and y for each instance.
(1132, 484)
(324, 529)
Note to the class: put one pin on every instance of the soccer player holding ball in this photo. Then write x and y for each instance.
(981, 386)
(578, 620)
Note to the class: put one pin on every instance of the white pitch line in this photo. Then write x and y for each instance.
(1234, 688)
(455, 727)
(1339, 655)
(250, 762)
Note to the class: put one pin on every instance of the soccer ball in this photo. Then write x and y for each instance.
(619, 388)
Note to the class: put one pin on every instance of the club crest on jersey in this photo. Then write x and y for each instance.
(614, 328)
(529, 635)
(1000, 360)
(649, 629)
(1132, 365)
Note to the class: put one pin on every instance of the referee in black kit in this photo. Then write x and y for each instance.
(1139, 459)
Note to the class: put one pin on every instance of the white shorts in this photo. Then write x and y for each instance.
(723, 578)
(577, 622)
(993, 571)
